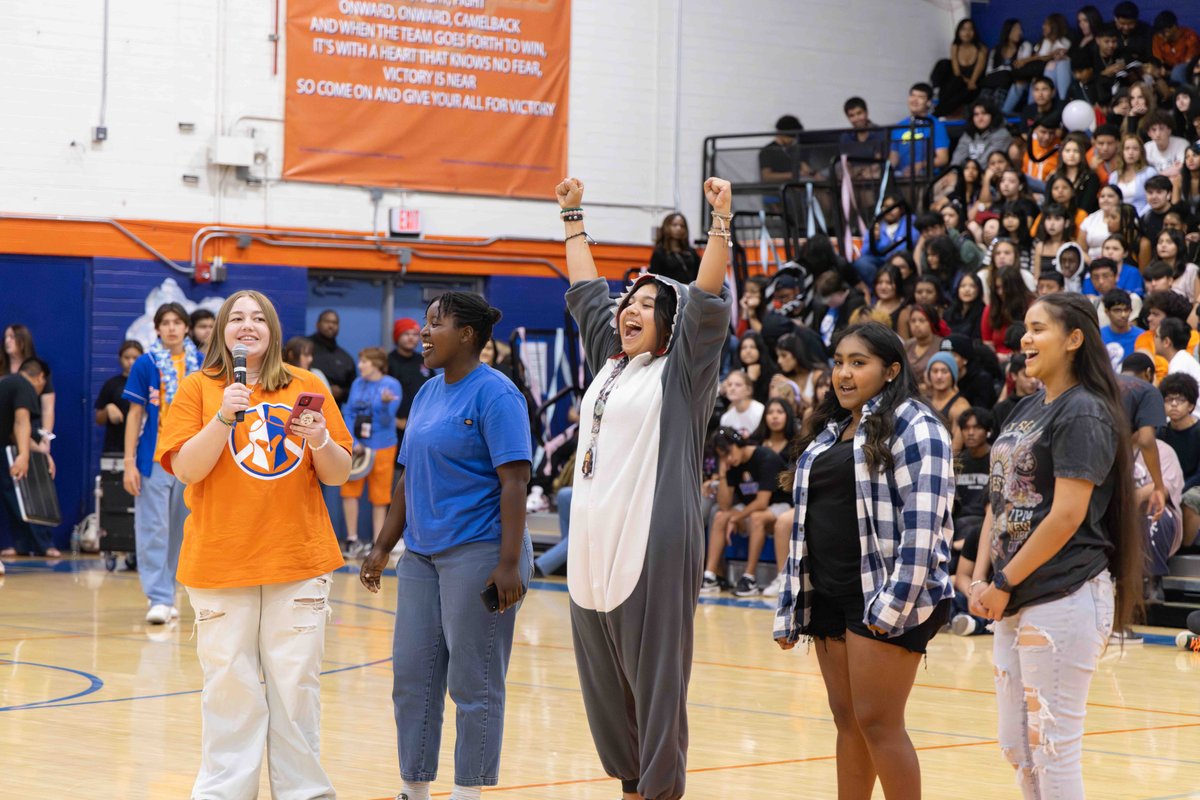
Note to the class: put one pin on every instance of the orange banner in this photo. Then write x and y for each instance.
(462, 96)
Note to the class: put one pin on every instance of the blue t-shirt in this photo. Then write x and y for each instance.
(1130, 280)
(457, 435)
(143, 387)
(1120, 344)
(366, 399)
(909, 144)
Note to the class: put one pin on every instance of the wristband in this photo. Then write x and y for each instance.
(323, 444)
(226, 422)
(974, 584)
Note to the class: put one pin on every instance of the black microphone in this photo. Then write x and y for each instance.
(1193, 622)
(239, 370)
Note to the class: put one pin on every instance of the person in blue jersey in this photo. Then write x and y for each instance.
(460, 505)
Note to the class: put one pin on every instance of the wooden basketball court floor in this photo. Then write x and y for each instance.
(95, 703)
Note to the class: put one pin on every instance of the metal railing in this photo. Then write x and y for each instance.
(880, 160)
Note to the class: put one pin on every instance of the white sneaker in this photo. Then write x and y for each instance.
(158, 614)
(174, 612)
(775, 586)
(963, 625)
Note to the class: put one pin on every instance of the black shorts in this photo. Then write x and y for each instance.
(831, 617)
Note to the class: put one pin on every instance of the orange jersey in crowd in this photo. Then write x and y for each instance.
(1040, 162)
(259, 516)
(1145, 344)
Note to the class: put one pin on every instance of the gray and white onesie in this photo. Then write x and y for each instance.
(636, 552)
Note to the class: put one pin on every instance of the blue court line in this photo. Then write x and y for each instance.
(95, 684)
(60, 702)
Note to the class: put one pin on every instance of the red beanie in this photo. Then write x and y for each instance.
(404, 324)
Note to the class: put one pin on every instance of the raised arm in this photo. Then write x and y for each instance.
(580, 265)
(711, 276)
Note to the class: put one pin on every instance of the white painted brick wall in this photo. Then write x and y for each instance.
(744, 64)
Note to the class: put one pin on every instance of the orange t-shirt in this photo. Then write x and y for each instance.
(1144, 343)
(259, 516)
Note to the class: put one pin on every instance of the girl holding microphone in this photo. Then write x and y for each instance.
(258, 552)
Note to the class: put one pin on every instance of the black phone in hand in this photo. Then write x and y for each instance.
(491, 598)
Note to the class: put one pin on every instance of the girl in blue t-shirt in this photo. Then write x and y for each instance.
(1061, 531)
(460, 504)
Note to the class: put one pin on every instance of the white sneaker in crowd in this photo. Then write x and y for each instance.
(775, 586)
(159, 614)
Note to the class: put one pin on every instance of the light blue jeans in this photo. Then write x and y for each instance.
(1045, 656)
(1060, 73)
(158, 516)
(552, 560)
(446, 639)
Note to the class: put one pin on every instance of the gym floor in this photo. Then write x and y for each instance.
(96, 703)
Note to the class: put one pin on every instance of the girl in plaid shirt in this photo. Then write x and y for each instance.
(867, 569)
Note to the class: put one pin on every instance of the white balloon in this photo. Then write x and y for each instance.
(1079, 116)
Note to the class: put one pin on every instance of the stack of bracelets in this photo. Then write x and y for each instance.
(720, 226)
(575, 215)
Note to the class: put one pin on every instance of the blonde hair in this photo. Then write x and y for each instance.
(218, 364)
(866, 313)
(1138, 165)
(376, 356)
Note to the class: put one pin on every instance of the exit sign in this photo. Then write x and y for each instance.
(404, 222)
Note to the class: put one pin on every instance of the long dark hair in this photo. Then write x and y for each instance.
(665, 243)
(1095, 21)
(1067, 215)
(883, 343)
(957, 308)
(1016, 301)
(762, 432)
(1002, 42)
(766, 363)
(24, 338)
(949, 259)
(1092, 368)
(798, 348)
(962, 23)
(1180, 250)
(818, 255)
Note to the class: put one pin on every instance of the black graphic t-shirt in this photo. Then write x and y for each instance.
(1072, 437)
(971, 477)
(758, 474)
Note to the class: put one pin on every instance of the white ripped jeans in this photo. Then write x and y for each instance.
(261, 649)
(1045, 656)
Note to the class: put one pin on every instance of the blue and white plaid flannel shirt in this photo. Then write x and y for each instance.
(904, 526)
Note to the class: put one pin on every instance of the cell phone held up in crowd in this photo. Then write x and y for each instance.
(307, 401)
(491, 598)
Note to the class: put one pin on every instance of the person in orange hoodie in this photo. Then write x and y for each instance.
(1157, 307)
(1174, 46)
(1041, 158)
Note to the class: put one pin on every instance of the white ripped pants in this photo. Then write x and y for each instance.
(261, 649)
(1045, 656)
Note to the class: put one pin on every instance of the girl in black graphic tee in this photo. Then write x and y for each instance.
(1062, 532)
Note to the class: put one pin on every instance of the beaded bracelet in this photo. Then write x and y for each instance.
(724, 234)
(572, 208)
(323, 444)
(576, 216)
